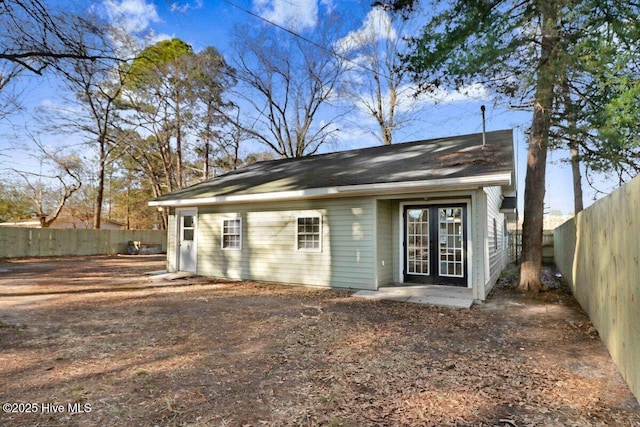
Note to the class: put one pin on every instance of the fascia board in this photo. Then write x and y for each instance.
(388, 188)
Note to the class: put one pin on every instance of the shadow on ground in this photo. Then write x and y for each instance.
(204, 352)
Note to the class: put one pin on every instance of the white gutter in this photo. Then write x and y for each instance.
(387, 188)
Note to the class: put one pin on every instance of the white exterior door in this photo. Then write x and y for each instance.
(186, 241)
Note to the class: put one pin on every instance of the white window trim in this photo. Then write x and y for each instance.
(312, 250)
(222, 234)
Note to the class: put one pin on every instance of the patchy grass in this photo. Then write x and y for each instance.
(204, 353)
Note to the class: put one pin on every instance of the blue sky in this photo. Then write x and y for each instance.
(204, 23)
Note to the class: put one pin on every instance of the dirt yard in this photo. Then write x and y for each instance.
(92, 341)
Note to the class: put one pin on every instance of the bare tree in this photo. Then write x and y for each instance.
(9, 99)
(50, 191)
(221, 151)
(375, 80)
(91, 90)
(37, 34)
(286, 81)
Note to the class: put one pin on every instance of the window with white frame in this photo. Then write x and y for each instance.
(232, 234)
(309, 233)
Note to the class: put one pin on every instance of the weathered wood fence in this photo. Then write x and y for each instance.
(16, 242)
(515, 245)
(598, 253)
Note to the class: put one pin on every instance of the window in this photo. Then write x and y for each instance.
(309, 234)
(232, 234)
(505, 234)
(188, 228)
(495, 234)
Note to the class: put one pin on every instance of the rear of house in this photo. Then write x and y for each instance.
(429, 212)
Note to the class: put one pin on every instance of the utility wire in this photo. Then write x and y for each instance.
(332, 52)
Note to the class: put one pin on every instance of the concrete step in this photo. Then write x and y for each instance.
(172, 276)
(440, 296)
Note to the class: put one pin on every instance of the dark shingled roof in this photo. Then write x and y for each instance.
(440, 158)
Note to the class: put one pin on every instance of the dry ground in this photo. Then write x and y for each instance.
(198, 352)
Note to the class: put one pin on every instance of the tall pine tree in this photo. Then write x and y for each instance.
(523, 50)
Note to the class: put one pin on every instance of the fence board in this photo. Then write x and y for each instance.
(17, 242)
(515, 245)
(598, 253)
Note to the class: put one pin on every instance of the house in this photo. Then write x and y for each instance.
(427, 212)
(66, 222)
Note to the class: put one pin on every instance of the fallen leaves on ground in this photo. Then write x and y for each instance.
(205, 352)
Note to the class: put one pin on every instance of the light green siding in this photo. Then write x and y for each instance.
(384, 237)
(361, 244)
(478, 233)
(396, 242)
(269, 253)
(498, 251)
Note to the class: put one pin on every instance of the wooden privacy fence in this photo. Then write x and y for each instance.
(16, 242)
(598, 253)
(515, 245)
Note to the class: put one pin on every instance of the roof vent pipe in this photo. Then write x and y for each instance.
(483, 126)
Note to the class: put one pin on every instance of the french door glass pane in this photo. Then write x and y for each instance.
(418, 241)
(451, 240)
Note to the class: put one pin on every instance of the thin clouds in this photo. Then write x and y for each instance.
(407, 98)
(185, 6)
(296, 15)
(473, 92)
(134, 16)
(376, 25)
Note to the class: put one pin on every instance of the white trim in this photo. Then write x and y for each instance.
(467, 201)
(181, 212)
(222, 234)
(387, 188)
(311, 250)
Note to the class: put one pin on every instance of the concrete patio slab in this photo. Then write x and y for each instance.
(442, 301)
(444, 296)
(173, 276)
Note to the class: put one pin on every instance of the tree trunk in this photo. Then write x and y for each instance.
(206, 159)
(570, 112)
(179, 150)
(531, 265)
(577, 177)
(97, 215)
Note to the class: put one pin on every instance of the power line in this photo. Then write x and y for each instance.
(330, 51)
